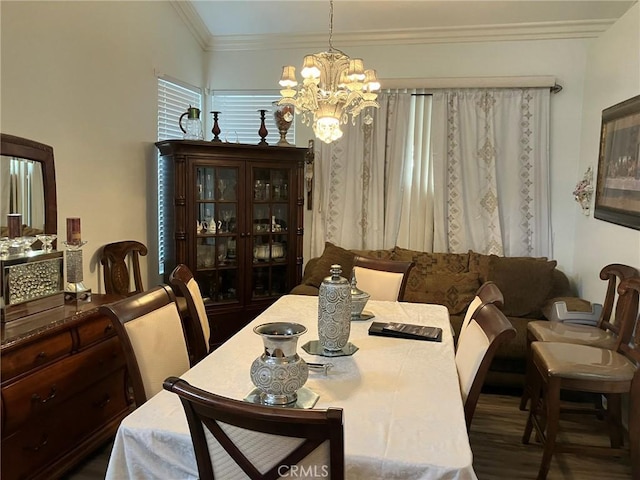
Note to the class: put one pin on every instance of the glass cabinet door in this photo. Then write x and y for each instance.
(271, 218)
(217, 231)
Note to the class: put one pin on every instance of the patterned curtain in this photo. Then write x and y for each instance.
(490, 153)
(358, 180)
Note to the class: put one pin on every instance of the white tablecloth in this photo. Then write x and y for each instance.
(403, 413)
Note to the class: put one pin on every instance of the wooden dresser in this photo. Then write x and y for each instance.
(63, 389)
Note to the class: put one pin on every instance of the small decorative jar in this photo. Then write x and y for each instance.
(279, 372)
(334, 311)
(358, 298)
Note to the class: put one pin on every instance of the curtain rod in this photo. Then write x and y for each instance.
(473, 82)
(557, 88)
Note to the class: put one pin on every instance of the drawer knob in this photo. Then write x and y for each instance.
(104, 402)
(41, 356)
(108, 328)
(43, 443)
(37, 398)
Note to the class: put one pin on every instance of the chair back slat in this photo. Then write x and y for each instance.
(629, 319)
(614, 274)
(294, 436)
(115, 258)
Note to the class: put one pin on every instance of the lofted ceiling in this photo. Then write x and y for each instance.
(312, 16)
(218, 22)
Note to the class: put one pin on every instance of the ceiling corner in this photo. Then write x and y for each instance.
(193, 21)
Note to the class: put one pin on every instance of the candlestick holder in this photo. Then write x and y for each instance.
(75, 289)
(263, 132)
(216, 128)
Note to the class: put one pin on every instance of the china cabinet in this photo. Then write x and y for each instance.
(233, 213)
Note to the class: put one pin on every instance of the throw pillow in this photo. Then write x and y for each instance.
(479, 262)
(453, 290)
(427, 263)
(524, 282)
(377, 254)
(332, 254)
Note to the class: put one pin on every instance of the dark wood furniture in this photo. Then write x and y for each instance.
(114, 258)
(313, 426)
(487, 293)
(234, 215)
(194, 319)
(63, 389)
(604, 335)
(480, 344)
(149, 327)
(562, 367)
(12, 146)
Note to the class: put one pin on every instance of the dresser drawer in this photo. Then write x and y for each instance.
(43, 391)
(35, 354)
(47, 438)
(95, 329)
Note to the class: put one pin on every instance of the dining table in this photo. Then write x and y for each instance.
(401, 401)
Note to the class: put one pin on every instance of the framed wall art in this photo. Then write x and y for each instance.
(618, 182)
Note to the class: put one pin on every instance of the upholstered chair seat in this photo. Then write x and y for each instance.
(545, 331)
(584, 362)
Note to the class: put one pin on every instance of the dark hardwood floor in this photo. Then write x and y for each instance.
(498, 452)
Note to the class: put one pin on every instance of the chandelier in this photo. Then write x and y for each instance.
(334, 86)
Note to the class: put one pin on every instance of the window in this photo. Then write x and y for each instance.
(239, 119)
(173, 100)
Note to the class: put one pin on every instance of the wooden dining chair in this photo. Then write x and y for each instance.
(605, 334)
(487, 330)
(382, 279)
(487, 293)
(561, 367)
(262, 442)
(150, 330)
(195, 322)
(115, 258)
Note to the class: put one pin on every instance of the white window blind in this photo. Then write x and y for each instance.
(239, 119)
(173, 100)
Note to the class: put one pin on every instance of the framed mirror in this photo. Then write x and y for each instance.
(27, 185)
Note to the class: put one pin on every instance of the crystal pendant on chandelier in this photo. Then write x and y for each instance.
(334, 87)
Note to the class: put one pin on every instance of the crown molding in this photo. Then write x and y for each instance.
(431, 35)
(414, 36)
(193, 22)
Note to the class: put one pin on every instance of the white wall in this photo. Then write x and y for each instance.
(613, 75)
(79, 76)
(565, 59)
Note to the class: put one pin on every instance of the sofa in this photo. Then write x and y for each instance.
(530, 287)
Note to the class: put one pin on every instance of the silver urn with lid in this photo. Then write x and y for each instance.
(334, 311)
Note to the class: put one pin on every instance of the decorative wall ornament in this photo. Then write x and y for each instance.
(584, 191)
